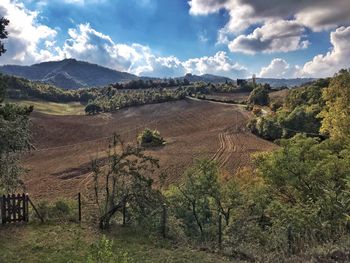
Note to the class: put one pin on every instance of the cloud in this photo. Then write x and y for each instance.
(315, 15)
(30, 42)
(334, 60)
(322, 65)
(276, 36)
(279, 68)
(87, 44)
(219, 64)
(25, 35)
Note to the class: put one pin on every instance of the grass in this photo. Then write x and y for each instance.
(71, 242)
(53, 108)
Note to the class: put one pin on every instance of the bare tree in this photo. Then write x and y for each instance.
(125, 179)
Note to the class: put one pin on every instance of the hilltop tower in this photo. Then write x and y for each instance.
(254, 80)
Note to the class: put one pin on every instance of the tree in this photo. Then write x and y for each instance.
(124, 179)
(3, 33)
(149, 138)
(202, 197)
(336, 114)
(92, 108)
(307, 180)
(259, 96)
(14, 132)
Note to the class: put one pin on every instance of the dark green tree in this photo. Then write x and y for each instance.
(3, 33)
(126, 179)
(14, 132)
(259, 96)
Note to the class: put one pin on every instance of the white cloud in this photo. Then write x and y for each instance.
(31, 42)
(25, 35)
(243, 13)
(322, 65)
(219, 64)
(334, 60)
(315, 15)
(85, 43)
(274, 36)
(279, 68)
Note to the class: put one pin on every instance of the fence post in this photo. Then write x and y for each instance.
(79, 206)
(220, 232)
(36, 210)
(290, 239)
(124, 212)
(3, 209)
(27, 207)
(164, 216)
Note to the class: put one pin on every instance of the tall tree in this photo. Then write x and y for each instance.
(124, 180)
(3, 33)
(336, 115)
(14, 132)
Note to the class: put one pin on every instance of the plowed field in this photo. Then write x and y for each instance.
(60, 165)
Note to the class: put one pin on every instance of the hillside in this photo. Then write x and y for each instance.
(69, 74)
(206, 78)
(275, 83)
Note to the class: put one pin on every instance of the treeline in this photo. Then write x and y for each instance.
(298, 113)
(109, 98)
(109, 102)
(151, 84)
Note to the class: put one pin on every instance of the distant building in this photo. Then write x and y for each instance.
(254, 80)
(241, 82)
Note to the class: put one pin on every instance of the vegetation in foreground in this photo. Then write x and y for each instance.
(70, 242)
(293, 206)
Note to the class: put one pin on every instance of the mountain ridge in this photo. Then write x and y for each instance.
(75, 74)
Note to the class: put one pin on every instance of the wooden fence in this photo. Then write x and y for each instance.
(14, 208)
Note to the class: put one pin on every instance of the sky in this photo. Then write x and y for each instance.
(169, 38)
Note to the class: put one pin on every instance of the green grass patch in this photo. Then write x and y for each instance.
(53, 108)
(71, 242)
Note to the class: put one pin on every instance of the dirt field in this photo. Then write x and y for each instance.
(60, 165)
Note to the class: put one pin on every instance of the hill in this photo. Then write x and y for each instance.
(276, 83)
(69, 74)
(206, 78)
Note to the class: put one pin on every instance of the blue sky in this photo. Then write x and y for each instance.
(168, 38)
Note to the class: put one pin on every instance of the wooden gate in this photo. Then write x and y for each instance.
(14, 208)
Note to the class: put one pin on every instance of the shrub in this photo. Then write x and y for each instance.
(62, 210)
(149, 138)
(259, 96)
(92, 108)
(102, 252)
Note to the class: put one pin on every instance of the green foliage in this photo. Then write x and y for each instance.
(259, 96)
(299, 114)
(125, 181)
(336, 114)
(61, 210)
(149, 138)
(14, 134)
(307, 182)
(92, 108)
(3, 33)
(102, 252)
(198, 202)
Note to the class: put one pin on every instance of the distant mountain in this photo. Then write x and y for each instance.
(206, 78)
(69, 74)
(276, 83)
(74, 74)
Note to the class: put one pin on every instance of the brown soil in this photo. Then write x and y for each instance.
(65, 145)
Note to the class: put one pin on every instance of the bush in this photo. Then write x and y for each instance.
(92, 108)
(149, 138)
(61, 210)
(259, 96)
(102, 252)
